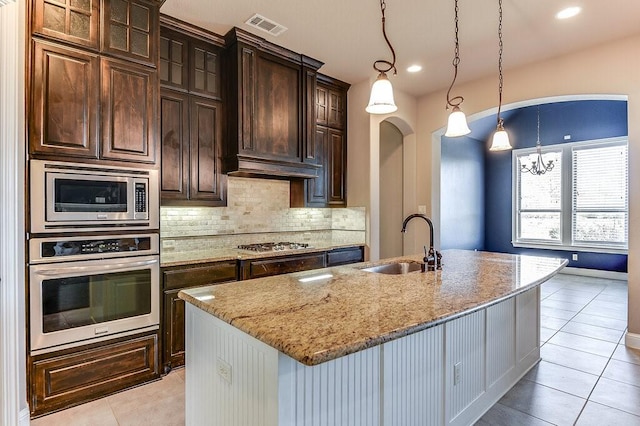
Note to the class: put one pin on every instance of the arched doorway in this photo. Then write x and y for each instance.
(391, 190)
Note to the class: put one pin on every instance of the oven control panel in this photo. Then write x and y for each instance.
(76, 248)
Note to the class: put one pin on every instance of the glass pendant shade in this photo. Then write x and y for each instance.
(457, 124)
(500, 140)
(381, 100)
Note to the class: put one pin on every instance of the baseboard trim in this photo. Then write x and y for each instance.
(24, 417)
(632, 340)
(596, 273)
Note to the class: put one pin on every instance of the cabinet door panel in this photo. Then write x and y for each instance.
(337, 167)
(204, 73)
(277, 132)
(129, 93)
(130, 30)
(285, 265)
(173, 60)
(206, 140)
(322, 105)
(65, 378)
(174, 145)
(64, 115)
(317, 188)
(336, 109)
(173, 330)
(73, 21)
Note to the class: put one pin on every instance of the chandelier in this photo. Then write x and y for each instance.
(538, 167)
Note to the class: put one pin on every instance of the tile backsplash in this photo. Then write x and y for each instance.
(256, 206)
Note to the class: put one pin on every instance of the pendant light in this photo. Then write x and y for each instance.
(538, 167)
(457, 124)
(381, 100)
(500, 137)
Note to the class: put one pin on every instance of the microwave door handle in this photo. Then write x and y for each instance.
(118, 267)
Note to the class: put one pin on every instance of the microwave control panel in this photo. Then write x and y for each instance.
(141, 197)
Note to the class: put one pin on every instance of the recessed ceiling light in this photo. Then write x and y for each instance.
(569, 12)
(414, 68)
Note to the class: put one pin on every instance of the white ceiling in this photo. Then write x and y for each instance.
(347, 36)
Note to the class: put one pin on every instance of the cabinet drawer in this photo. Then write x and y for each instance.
(276, 266)
(199, 275)
(345, 256)
(66, 378)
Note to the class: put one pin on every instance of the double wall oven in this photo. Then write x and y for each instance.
(94, 266)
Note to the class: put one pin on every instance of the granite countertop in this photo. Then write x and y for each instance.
(179, 258)
(350, 310)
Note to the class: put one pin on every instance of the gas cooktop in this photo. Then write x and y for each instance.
(281, 246)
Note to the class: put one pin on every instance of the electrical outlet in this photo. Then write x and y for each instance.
(456, 373)
(574, 256)
(168, 244)
(224, 370)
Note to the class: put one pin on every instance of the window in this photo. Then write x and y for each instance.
(582, 203)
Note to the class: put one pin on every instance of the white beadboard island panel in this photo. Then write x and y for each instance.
(341, 392)
(413, 379)
(233, 379)
(354, 348)
(501, 340)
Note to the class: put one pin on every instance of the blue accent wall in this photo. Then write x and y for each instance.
(583, 120)
(462, 209)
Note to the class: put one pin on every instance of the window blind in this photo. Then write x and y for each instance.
(600, 194)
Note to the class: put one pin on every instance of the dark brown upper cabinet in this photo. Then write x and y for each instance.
(75, 94)
(207, 180)
(331, 104)
(97, 99)
(173, 67)
(131, 30)
(174, 145)
(190, 58)
(329, 149)
(204, 69)
(73, 21)
(191, 116)
(269, 122)
(191, 143)
(65, 101)
(129, 111)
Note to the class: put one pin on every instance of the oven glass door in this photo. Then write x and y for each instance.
(71, 302)
(75, 301)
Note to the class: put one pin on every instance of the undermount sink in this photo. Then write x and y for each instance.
(395, 268)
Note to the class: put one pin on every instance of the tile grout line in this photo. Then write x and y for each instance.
(609, 358)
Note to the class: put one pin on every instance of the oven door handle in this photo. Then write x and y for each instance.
(118, 267)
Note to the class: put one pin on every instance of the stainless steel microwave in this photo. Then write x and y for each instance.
(84, 197)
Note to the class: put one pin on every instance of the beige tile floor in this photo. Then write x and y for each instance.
(159, 403)
(586, 377)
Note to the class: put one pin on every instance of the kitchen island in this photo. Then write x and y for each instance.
(344, 346)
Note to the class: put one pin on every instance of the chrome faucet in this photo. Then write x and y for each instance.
(432, 258)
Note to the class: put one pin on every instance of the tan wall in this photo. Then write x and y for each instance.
(364, 164)
(607, 69)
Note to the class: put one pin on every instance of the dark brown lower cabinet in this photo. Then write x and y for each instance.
(258, 268)
(178, 278)
(344, 256)
(69, 377)
(182, 277)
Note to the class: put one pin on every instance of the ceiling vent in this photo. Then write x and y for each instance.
(267, 25)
